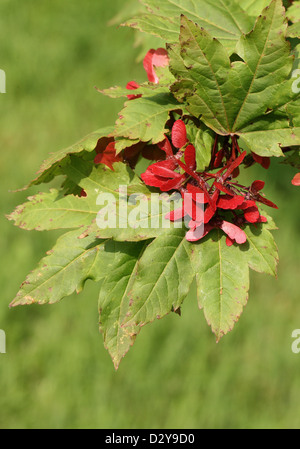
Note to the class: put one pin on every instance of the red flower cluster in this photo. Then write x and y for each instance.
(163, 173)
(227, 204)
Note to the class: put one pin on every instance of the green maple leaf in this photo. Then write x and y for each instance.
(254, 7)
(145, 89)
(70, 264)
(222, 273)
(54, 210)
(293, 12)
(145, 118)
(65, 269)
(237, 97)
(225, 19)
(203, 139)
(53, 166)
(114, 302)
(294, 30)
(222, 283)
(161, 288)
(269, 133)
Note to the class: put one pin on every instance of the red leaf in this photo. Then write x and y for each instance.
(247, 203)
(162, 175)
(190, 157)
(212, 207)
(234, 165)
(198, 233)
(194, 191)
(179, 138)
(252, 214)
(160, 58)
(195, 176)
(176, 214)
(296, 180)
(233, 232)
(214, 199)
(257, 186)
(132, 85)
(222, 188)
(172, 184)
(166, 147)
(263, 161)
(265, 201)
(230, 202)
(108, 156)
(262, 219)
(192, 209)
(218, 158)
(155, 58)
(151, 179)
(229, 241)
(164, 169)
(236, 172)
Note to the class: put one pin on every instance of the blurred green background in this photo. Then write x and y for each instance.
(56, 373)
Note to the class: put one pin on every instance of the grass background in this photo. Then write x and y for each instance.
(56, 373)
